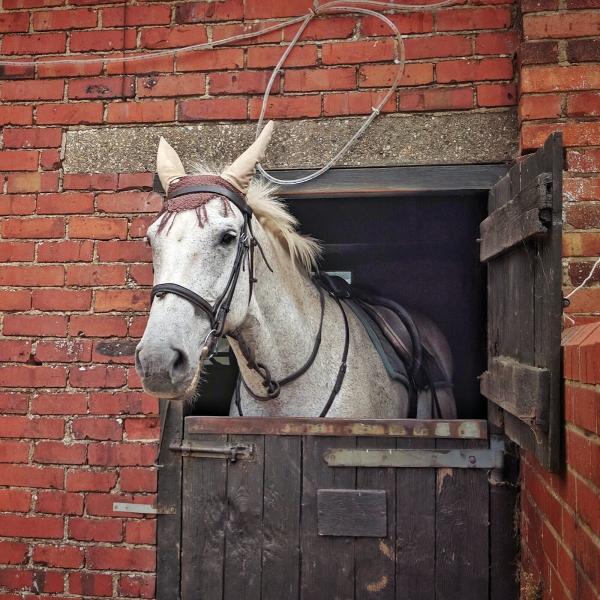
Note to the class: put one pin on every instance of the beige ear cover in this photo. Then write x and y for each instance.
(241, 171)
(168, 164)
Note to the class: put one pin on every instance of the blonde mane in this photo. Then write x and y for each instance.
(277, 221)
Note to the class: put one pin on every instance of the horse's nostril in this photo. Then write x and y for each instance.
(179, 364)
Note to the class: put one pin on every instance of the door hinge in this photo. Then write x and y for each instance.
(231, 452)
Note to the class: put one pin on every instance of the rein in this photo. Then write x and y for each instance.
(217, 312)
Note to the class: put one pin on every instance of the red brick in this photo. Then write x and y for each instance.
(121, 300)
(528, 6)
(98, 584)
(564, 25)
(13, 404)
(468, 19)
(505, 42)
(141, 63)
(121, 454)
(129, 251)
(129, 202)
(89, 181)
(545, 106)
(138, 480)
(173, 37)
(474, 70)
(13, 553)
(16, 251)
(14, 350)
(121, 559)
(16, 115)
(96, 275)
(50, 160)
(137, 586)
(357, 52)
(97, 228)
(574, 133)
(60, 503)
(35, 325)
(138, 325)
(555, 78)
(384, 75)
(90, 481)
(14, 501)
(101, 87)
(209, 60)
(97, 429)
(586, 160)
(63, 350)
(496, 94)
(14, 22)
(31, 527)
(23, 427)
(15, 300)
(13, 579)
(16, 204)
(19, 160)
(436, 99)
(119, 39)
(59, 453)
(583, 215)
(140, 532)
(59, 404)
(66, 557)
(588, 505)
(65, 203)
(202, 12)
(59, 66)
(171, 85)
(142, 429)
(81, 18)
(240, 82)
(287, 107)
(32, 137)
(139, 226)
(135, 180)
(157, 14)
(417, 22)
(584, 104)
(14, 452)
(31, 275)
(31, 90)
(97, 325)
(29, 476)
(534, 53)
(133, 379)
(66, 251)
(96, 530)
(42, 43)
(268, 56)
(340, 78)
(230, 30)
(141, 112)
(213, 109)
(437, 46)
(126, 403)
(257, 9)
(141, 274)
(83, 113)
(32, 182)
(583, 50)
(582, 188)
(98, 376)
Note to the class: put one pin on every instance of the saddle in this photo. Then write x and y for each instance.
(397, 338)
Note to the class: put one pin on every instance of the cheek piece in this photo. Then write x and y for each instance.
(182, 197)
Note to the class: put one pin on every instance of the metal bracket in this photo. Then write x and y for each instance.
(231, 452)
(144, 509)
(452, 459)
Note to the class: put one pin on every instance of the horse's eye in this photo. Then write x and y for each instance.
(227, 238)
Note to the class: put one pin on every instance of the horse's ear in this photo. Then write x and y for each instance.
(168, 164)
(241, 171)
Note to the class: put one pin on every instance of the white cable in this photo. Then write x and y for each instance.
(582, 284)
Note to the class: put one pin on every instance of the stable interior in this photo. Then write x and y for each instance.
(420, 250)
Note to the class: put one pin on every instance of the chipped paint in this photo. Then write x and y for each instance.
(386, 550)
(442, 429)
(378, 585)
(441, 478)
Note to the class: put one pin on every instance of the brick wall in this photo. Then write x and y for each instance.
(76, 431)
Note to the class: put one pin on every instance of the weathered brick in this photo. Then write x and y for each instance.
(545, 106)
(130, 403)
(240, 82)
(564, 25)
(79, 18)
(30, 476)
(455, 98)
(173, 37)
(171, 85)
(42, 43)
(97, 376)
(124, 251)
(32, 90)
(138, 480)
(121, 559)
(555, 78)
(98, 584)
(213, 109)
(97, 325)
(65, 252)
(59, 453)
(207, 60)
(583, 50)
(14, 350)
(35, 325)
(156, 14)
(97, 228)
(19, 160)
(96, 275)
(91, 481)
(124, 454)
(496, 94)
(95, 428)
(137, 586)
(31, 527)
(60, 503)
(59, 404)
(16, 251)
(15, 300)
(203, 12)
(101, 87)
(141, 531)
(16, 204)
(23, 427)
(129, 202)
(66, 557)
(13, 553)
(384, 75)
(14, 452)
(474, 70)
(358, 52)
(153, 111)
(83, 113)
(118, 39)
(96, 530)
(337, 78)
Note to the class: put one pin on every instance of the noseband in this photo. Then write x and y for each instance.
(216, 312)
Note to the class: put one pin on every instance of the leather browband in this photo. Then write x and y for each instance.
(220, 190)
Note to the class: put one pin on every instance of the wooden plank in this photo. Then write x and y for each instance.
(243, 525)
(462, 532)
(418, 428)
(327, 562)
(517, 220)
(352, 513)
(281, 518)
(169, 495)
(375, 559)
(520, 389)
(415, 529)
(392, 181)
(204, 510)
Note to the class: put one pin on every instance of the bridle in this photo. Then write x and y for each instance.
(217, 312)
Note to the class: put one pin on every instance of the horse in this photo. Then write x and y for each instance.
(229, 261)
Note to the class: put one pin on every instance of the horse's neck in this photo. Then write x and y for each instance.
(283, 317)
